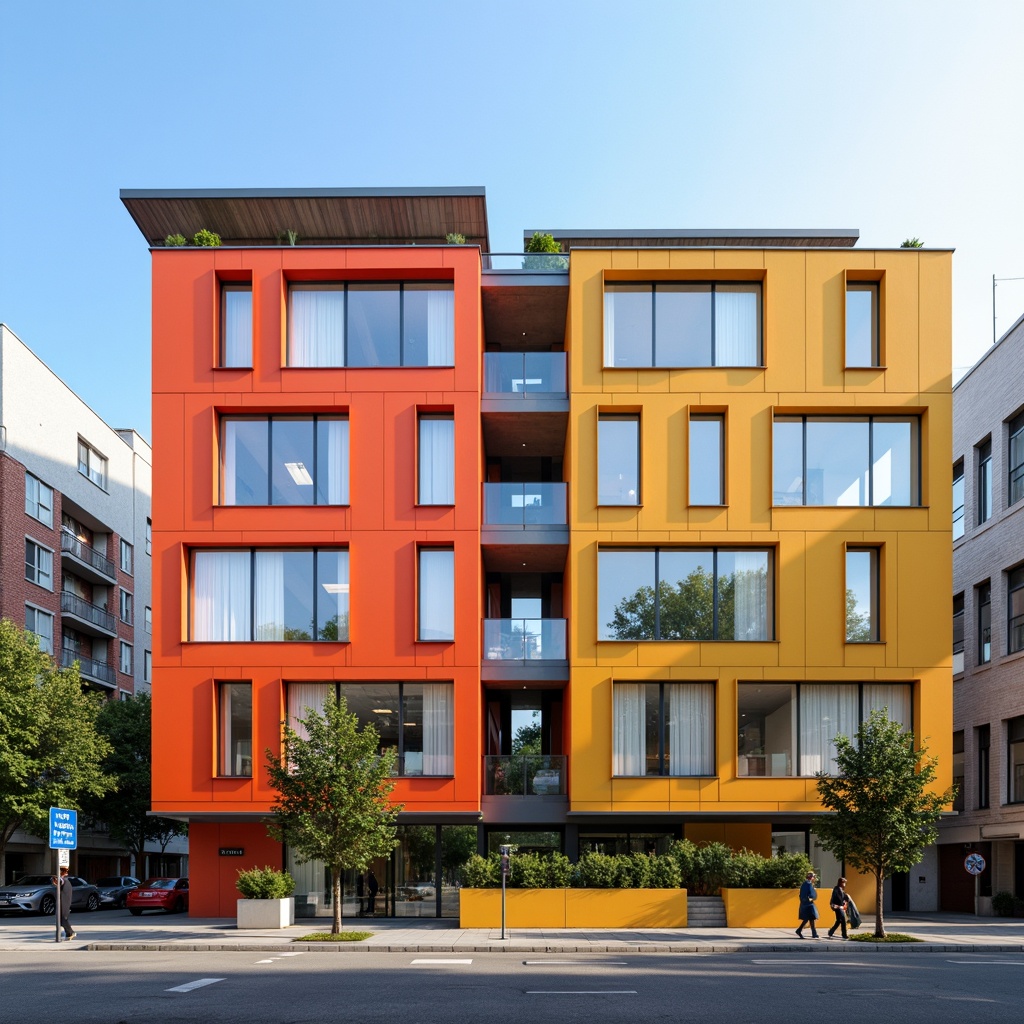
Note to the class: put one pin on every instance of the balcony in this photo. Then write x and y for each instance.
(524, 641)
(523, 505)
(531, 775)
(521, 375)
(90, 618)
(87, 561)
(89, 669)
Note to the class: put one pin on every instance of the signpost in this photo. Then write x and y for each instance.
(506, 867)
(974, 863)
(64, 839)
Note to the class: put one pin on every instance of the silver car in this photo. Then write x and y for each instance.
(36, 894)
(114, 890)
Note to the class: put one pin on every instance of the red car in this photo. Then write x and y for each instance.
(168, 894)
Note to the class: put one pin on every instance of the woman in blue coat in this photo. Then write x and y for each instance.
(808, 911)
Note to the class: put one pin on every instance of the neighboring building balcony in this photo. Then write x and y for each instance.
(86, 560)
(532, 649)
(529, 775)
(89, 618)
(525, 514)
(89, 669)
(525, 375)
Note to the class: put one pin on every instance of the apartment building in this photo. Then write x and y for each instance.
(610, 544)
(74, 550)
(988, 630)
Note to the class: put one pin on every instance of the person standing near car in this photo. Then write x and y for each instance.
(838, 902)
(66, 895)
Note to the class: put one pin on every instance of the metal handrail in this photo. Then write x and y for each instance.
(75, 605)
(87, 553)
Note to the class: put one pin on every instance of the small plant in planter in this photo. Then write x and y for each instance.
(455, 238)
(174, 240)
(265, 884)
(204, 237)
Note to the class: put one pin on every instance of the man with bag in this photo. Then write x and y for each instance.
(839, 902)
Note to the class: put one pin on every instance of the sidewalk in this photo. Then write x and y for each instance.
(939, 932)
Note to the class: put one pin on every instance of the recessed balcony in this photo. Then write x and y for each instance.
(523, 505)
(89, 669)
(88, 618)
(521, 643)
(525, 376)
(86, 561)
(526, 775)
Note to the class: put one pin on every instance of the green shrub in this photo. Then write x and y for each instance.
(173, 240)
(597, 871)
(544, 243)
(265, 884)
(684, 853)
(529, 871)
(633, 871)
(204, 237)
(455, 238)
(1003, 904)
(665, 873)
(481, 873)
(560, 871)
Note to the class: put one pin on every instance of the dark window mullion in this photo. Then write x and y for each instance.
(714, 352)
(401, 729)
(401, 324)
(270, 460)
(657, 594)
(252, 595)
(344, 324)
(316, 462)
(654, 325)
(661, 729)
(316, 570)
(796, 745)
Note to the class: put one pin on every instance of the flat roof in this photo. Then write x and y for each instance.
(319, 216)
(659, 238)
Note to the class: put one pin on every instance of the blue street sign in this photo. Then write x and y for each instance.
(63, 829)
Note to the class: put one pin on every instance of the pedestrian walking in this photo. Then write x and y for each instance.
(371, 893)
(808, 910)
(66, 895)
(839, 902)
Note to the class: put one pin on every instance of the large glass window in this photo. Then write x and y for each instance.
(236, 325)
(618, 460)
(846, 460)
(1015, 759)
(235, 708)
(372, 323)
(862, 323)
(416, 718)
(983, 741)
(38, 564)
(436, 459)
(270, 595)
(958, 770)
(958, 633)
(983, 603)
(862, 590)
(664, 729)
(958, 500)
(436, 594)
(676, 324)
(284, 460)
(1015, 456)
(790, 728)
(707, 460)
(38, 500)
(40, 622)
(1015, 610)
(91, 464)
(984, 457)
(684, 594)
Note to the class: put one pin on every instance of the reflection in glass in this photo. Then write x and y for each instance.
(625, 594)
(292, 461)
(436, 594)
(428, 324)
(245, 473)
(683, 317)
(861, 324)
(618, 457)
(628, 323)
(374, 316)
(332, 598)
(707, 483)
(236, 729)
(861, 595)
(236, 325)
(283, 595)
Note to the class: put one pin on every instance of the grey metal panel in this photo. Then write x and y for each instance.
(524, 672)
(528, 534)
(524, 810)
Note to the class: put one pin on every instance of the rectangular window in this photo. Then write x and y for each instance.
(707, 460)
(270, 595)
(862, 323)
(436, 616)
(149, 619)
(618, 460)
(436, 459)
(365, 324)
(664, 729)
(147, 666)
(38, 564)
(983, 602)
(958, 500)
(983, 741)
(682, 325)
(1015, 454)
(684, 594)
(958, 770)
(41, 623)
(284, 460)
(126, 607)
(91, 464)
(236, 325)
(862, 591)
(1015, 759)
(1015, 610)
(126, 658)
(790, 728)
(958, 633)
(235, 708)
(416, 718)
(984, 457)
(38, 500)
(846, 460)
(149, 536)
(127, 557)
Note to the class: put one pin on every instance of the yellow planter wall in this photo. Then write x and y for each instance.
(764, 908)
(574, 908)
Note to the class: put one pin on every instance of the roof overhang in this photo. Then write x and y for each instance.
(748, 238)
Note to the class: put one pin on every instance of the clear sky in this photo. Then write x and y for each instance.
(897, 118)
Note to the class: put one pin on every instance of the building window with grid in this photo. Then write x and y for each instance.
(147, 666)
(127, 557)
(236, 325)
(984, 457)
(91, 464)
(862, 595)
(958, 500)
(126, 607)
(1015, 759)
(663, 729)
(983, 742)
(126, 658)
(618, 460)
(1015, 457)
(40, 622)
(38, 564)
(148, 619)
(235, 710)
(958, 633)
(1015, 610)
(862, 323)
(149, 536)
(436, 484)
(958, 770)
(38, 500)
(707, 459)
(983, 603)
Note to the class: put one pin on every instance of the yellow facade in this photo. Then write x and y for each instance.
(804, 373)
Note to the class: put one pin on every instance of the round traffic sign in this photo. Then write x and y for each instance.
(974, 863)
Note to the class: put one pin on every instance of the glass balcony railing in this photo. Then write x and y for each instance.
(89, 668)
(72, 604)
(525, 505)
(525, 775)
(88, 554)
(524, 373)
(524, 640)
(532, 261)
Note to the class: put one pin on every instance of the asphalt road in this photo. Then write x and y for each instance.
(401, 988)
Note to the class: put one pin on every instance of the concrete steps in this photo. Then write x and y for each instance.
(705, 912)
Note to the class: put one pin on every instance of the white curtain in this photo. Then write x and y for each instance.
(750, 595)
(629, 756)
(237, 327)
(690, 710)
(317, 329)
(337, 461)
(895, 697)
(437, 594)
(437, 460)
(609, 327)
(269, 595)
(441, 328)
(826, 711)
(306, 695)
(735, 327)
(221, 595)
(438, 729)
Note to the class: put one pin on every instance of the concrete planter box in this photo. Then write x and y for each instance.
(574, 908)
(266, 913)
(763, 908)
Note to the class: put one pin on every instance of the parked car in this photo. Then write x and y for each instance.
(36, 894)
(167, 894)
(114, 890)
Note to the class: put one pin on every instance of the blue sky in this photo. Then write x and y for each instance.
(897, 118)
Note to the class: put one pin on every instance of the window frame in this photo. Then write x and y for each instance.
(983, 475)
(126, 604)
(1015, 471)
(983, 748)
(983, 608)
(228, 757)
(632, 474)
(34, 495)
(1014, 586)
(875, 357)
(126, 657)
(126, 557)
(39, 573)
(1015, 760)
(92, 464)
(149, 536)
(423, 473)
(959, 802)
(874, 553)
(959, 519)
(234, 288)
(46, 643)
(719, 419)
(147, 666)
(424, 599)
(959, 620)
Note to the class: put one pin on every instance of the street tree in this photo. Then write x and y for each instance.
(883, 800)
(51, 753)
(333, 784)
(127, 725)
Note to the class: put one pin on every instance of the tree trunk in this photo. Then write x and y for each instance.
(336, 899)
(879, 923)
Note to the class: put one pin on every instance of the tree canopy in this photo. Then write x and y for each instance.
(51, 752)
(883, 800)
(333, 786)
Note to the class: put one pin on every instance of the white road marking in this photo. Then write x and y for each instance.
(202, 982)
(819, 962)
(1011, 963)
(586, 992)
(442, 961)
(595, 963)
(297, 952)
(265, 961)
